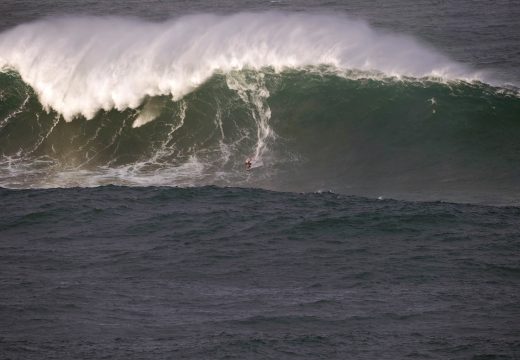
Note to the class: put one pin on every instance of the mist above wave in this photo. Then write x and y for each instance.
(80, 65)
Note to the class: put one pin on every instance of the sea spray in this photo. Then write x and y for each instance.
(80, 65)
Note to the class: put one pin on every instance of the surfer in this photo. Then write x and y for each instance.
(248, 163)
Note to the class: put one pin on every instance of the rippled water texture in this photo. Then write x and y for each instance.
(209, 273)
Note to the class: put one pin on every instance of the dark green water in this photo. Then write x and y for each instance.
(416, 139)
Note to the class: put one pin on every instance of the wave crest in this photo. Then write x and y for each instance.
(80, 65)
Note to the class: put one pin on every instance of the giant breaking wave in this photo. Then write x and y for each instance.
(321, 101)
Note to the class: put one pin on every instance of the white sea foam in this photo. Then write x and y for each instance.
(79, 65)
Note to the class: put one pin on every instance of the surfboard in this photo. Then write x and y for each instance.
(255, 164)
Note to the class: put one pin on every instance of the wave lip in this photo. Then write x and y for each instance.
(80, 65)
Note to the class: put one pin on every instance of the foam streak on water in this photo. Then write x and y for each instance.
(255, 93)
(79, 65)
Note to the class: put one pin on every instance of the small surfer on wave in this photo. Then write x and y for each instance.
(248, 164)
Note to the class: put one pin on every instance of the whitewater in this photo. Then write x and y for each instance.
(80, 65)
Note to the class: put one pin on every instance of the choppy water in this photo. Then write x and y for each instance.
(129, 227)
(209, 273)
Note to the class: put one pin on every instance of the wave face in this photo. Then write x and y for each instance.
(319, 102)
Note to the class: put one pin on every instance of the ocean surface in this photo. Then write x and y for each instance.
(380, 218)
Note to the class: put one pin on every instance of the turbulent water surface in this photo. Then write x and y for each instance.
(130, 227)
